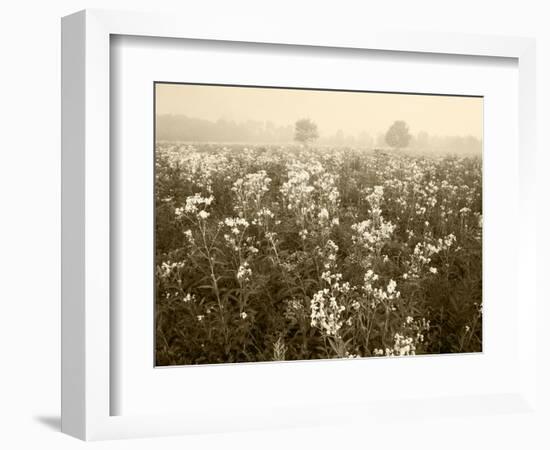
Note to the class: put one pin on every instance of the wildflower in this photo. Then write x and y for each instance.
(449, 240)
(235, 223)
(187, 298)
(323, 214)
(244, 272)
(168, 268)
(192, 203)
(263, 216)
(249, 192)
(243, 315)
(372, 235)
(200, 317)
(433, 270)
(326, 313)
(203, 215)
(375, 295)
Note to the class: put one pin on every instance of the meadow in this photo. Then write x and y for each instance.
(272, 253)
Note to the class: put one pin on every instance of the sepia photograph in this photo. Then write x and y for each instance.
(306, 224)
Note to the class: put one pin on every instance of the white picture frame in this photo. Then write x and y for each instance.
(86, 284)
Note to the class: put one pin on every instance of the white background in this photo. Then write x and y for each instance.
(30, 187)
(141, 389)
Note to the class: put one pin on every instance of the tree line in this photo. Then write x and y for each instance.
(305, 131)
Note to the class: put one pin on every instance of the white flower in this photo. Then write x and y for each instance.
(244, 315)
(391, 287)
(200, 317)
(192, 203)
(244, 272)
(323, 214)
(449, 240)
(433, 270)
(326, 313)
(203, 214)
(188, 298)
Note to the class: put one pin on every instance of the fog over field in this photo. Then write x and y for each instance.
(202, 113)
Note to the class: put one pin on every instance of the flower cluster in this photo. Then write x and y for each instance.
(237, 225)
(375, 296)
(298, 192)
(423, 253)
(406, 341)
(326, 313)
(328, 304)
(195, 205)
(372, 235)
(285, 253)
(244, 272)
(249, 192)
(168, 268)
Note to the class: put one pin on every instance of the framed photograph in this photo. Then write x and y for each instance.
(266, 228)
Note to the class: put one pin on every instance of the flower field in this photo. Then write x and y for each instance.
(269, 253)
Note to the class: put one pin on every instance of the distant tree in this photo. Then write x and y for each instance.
(305, 131)
(398, 135)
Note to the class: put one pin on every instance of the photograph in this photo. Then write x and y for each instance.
(297, 224)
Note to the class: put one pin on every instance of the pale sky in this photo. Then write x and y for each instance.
(352, 112)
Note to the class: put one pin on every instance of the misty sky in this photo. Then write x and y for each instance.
(351, 112)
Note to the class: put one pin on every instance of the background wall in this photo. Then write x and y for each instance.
(30, 222)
